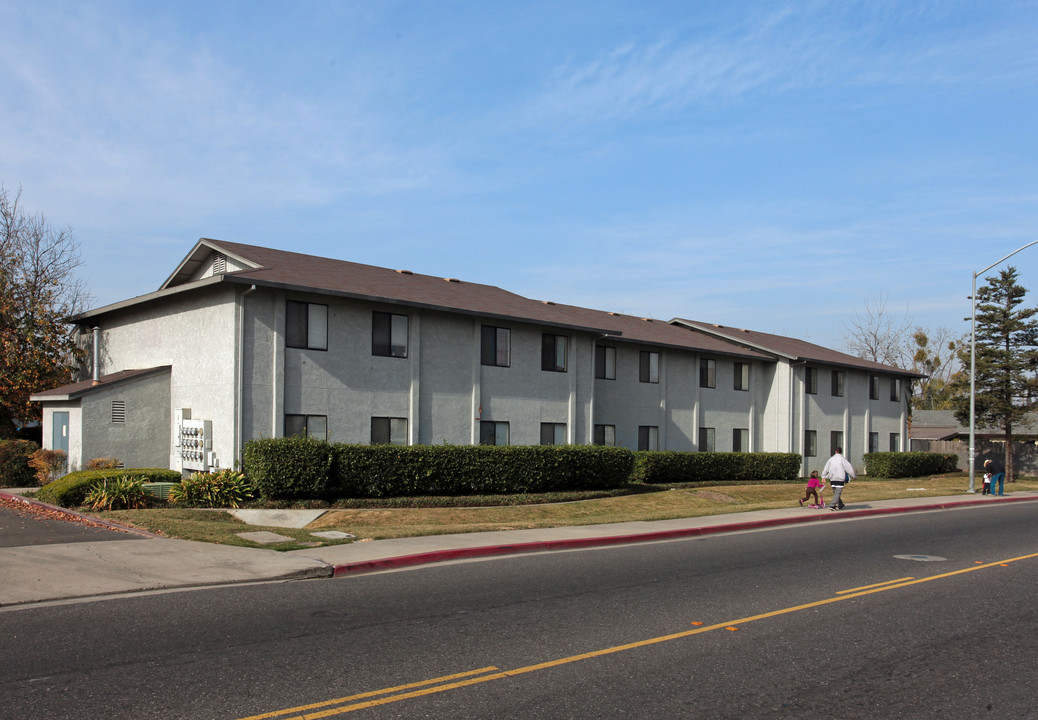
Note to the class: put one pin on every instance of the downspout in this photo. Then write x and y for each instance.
(240, 380)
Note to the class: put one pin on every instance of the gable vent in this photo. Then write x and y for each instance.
(219, 263)
(119, 411)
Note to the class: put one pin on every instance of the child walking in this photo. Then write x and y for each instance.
(815, 485)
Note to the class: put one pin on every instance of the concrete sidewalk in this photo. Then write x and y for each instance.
(44, 573)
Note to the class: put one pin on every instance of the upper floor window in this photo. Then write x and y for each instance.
(495, 345)
(895, 389)
(306, 325)
(648, 366)
(605, 362)
(811, 380)
(388, 334)
(837, 383)
(742, 376)
(873, 387)
(707, 373)
(553, 352)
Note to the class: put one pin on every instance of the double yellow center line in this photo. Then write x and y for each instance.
(474, 677)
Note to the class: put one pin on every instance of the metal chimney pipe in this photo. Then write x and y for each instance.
(97, 355)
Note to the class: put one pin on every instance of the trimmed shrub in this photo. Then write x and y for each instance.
(15, 470)
(662, 467)
(71, 490)
(909, 464)
(399, 471)
(298, 468)
(288, 468)
(225, 488)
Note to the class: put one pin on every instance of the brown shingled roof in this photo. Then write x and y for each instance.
(84, 387)
(790, 347)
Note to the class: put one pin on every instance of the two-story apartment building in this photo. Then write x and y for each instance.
(244, 342)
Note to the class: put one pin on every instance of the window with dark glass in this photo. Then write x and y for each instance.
(835, 441)
(811, 443)
(895, 442)
(605, 435)
(388, 431)
(648, 366)
(388, 334)
(873, 387)
(740, 440)
(895, 389)
(493, 433)
(553, 433)
(605, 362)
(553, 352)
(306, 325)
(648, 437)
(811, 381)
(706, 439)
(495, 346)
(837, 383)
(311, 426)
(742, 376)
(873, 442)
(707, 373)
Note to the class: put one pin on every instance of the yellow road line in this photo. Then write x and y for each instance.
(372, 693)
(503, 674)
(869, 587)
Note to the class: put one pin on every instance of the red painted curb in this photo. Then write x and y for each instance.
(436, 556)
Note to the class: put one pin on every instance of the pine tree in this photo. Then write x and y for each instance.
(1005, 359)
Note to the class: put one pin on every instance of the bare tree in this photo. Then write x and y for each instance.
(39, 290)
(877, 335)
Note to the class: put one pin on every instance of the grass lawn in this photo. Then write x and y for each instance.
(375, 523)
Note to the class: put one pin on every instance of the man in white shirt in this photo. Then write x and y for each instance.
(837, 471)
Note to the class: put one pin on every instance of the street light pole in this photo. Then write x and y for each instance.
(973, 363)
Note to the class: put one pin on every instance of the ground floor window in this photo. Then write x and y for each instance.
(605, 435)
(311, 426)
(648, 437)
(741, 440)
(493, 433)
(895, 442)
(706, 439)
(553, 433)
(388, 431)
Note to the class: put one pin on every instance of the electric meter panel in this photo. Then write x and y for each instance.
(196, 444)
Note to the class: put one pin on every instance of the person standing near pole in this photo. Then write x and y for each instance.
(837, 471)
(998, 475)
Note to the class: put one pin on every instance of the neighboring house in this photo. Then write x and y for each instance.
(244, 342)
(942, 425)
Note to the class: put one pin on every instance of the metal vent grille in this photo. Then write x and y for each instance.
(219, 263)
(119, 411)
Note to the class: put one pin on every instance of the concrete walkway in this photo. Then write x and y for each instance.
(140, 563)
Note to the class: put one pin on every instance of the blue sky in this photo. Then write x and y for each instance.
(768, 165)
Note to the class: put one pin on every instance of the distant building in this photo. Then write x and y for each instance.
(244, 342)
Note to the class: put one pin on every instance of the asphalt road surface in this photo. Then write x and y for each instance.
(922, 615)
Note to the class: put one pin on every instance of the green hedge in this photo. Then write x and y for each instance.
(909, 464)
(14, 463)
(661, 467)
(294, 468)
(70, 490)
(288, 468)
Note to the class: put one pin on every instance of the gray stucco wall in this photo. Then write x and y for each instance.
(142, 439)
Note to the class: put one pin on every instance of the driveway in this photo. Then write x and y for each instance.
(24, 525)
